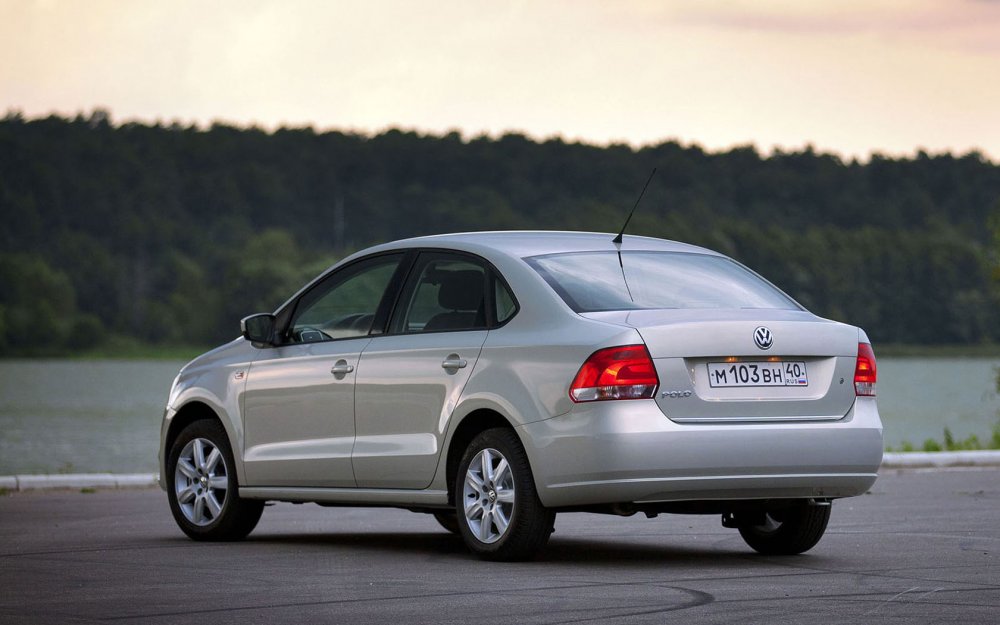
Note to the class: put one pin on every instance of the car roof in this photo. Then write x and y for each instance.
(524, 243)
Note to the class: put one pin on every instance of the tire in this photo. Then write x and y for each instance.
(447, 520)
(496, 505)
(202, 487)
(788, 532)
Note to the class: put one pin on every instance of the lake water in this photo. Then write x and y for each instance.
(76, 416)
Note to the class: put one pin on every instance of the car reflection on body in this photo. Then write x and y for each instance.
(497, 379)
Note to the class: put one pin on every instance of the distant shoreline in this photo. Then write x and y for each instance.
(121, 349)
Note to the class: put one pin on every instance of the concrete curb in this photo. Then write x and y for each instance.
(941, 459)
(78, 480)
(891, 460)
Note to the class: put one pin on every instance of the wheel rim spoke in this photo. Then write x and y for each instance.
(199, 454)
(186, 495)
(489, 496)
(486, 463)
(474, 509)
(213, 505)
(473, 480)
(187, 469)
(201, 482)
(500, 520)
(501, 472)
(484, 527)
(213, 460)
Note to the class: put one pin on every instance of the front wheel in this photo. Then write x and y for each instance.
(499, 514)
(789, 531)
(202, 487)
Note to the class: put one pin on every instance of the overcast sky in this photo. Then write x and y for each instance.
(844, 75)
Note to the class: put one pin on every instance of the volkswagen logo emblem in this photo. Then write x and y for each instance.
(762, 337)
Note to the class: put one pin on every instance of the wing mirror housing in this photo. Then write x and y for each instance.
(258, 329)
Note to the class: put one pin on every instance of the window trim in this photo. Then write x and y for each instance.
(391, 297)
(490, 304)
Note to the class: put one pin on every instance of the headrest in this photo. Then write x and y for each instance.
(461, 290)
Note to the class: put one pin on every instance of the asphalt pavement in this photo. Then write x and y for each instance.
(922, 547)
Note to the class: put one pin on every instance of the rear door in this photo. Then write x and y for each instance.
(409, 381)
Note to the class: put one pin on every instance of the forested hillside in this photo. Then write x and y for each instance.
(170, 234)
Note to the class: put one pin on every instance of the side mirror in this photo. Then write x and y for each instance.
(258, 329)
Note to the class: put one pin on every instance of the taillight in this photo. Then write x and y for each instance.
(865, 372)
(625, 372)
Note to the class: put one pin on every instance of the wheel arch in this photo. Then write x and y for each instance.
(185, 416)
(198, 410)
(472, 425)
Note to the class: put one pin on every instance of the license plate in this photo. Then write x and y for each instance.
(786, 373)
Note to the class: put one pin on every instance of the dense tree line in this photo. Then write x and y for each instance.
(169, 234)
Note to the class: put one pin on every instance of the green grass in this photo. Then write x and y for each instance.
(939, 351)
(129, 349)
(950, 443)
(122, 348)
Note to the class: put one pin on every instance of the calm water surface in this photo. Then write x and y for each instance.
(104, 416)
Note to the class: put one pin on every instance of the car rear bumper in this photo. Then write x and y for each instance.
(628, 451)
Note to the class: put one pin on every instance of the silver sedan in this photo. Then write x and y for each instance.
(496, 379)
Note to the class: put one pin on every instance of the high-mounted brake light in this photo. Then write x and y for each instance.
(865, 371)
(625, 372)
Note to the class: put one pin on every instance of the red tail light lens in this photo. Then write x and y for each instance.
(865, 372)
(625, 372)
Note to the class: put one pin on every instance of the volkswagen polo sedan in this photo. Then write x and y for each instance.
(496, 379)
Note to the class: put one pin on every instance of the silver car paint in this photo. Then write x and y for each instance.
(298, 416)
(582, 453)
(405, 396)
(211, 380)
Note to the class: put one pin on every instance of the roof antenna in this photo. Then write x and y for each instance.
(618, 239)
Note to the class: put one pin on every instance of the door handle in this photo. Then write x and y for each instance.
(341, 368)
(454, 362)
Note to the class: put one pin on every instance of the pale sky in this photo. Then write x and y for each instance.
(849, 76)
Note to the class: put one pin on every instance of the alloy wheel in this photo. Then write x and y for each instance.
(489, 496)
(201, 481)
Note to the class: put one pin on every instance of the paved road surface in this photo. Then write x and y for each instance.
(921, 548)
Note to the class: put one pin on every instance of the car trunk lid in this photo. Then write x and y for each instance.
(711, 369)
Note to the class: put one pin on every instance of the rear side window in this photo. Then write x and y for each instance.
(447, 293)
(504, 301)
(595, 281)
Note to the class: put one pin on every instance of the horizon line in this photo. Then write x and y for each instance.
(98, 114)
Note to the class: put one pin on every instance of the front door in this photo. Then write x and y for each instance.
(299, 400)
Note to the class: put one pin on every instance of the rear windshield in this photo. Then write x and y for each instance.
(595, 281)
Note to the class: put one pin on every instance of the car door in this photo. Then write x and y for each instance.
(298, 406)
(410, 380)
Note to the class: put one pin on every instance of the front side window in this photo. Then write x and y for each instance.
(345, 303)
(596, 281)
(445, 293)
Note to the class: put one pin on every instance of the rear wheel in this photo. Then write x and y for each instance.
(202, 487)
(787, 532)
(497, 508)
